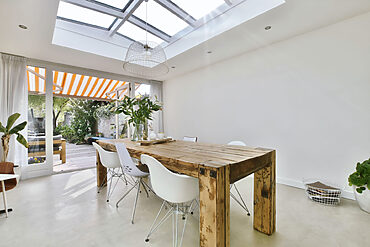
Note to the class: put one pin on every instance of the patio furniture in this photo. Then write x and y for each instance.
(37, 147)
(216, 167)
(176, 190)
(8, 181)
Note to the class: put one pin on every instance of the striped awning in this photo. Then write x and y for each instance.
(75, 85)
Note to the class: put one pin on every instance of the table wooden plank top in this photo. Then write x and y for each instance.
(185, 157)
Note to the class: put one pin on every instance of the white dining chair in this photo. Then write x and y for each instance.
(190, 138)
(178, 193)
(240, 201)
(129, 168)
(110, 161)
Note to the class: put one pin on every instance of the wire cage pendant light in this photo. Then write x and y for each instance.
(146, 58)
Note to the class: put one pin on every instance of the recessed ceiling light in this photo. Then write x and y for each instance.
(209, 52)
(22, 26)
(267, 28)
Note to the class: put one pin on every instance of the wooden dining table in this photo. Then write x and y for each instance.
(216, 167)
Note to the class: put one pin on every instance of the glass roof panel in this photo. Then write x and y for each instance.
(198, 9)
(160, 18)
(136, 33)
(73, 12)
(120, 4)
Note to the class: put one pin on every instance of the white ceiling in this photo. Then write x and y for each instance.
(292, 18)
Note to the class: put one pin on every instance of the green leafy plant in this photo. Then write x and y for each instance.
(138, 110)
(361, 177)
(9, 130)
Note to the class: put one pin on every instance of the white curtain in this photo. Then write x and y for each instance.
(14, 98)
(156, 93)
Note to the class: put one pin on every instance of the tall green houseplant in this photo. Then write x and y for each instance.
(8, 131)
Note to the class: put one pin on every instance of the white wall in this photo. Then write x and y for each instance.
(308, 97)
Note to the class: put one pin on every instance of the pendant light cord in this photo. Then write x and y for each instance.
(146, 22)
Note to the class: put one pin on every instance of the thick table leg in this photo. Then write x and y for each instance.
(101, 172)
(4, 198)
(265, 198)
(214, 206)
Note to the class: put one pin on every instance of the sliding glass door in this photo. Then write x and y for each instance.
(67, 111)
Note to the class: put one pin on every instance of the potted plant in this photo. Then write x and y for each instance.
(139, 111)
(360, 180)
(8, 131)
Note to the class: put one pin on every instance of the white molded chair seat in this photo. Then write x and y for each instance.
(130, 168)
(176, 190)
(110, 161)
(240, 201)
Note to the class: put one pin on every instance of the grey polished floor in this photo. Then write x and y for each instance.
(65, 210)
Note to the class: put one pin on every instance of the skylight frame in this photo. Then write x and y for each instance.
(100, 2)
(160, 17)
(67, 10)
(122, 17)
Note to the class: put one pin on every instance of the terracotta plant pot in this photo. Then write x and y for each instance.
(363, 199)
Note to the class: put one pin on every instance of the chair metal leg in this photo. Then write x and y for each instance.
(239, 201)
(135, 203)
(176, 218)
(143, 185)
(109, 186)
(103, 183)
(148, 187)
(186, 219)
(133, 187)
(174, 211)
(155, 226)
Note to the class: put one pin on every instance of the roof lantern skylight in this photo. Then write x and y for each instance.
(198, 9)
(84, 15)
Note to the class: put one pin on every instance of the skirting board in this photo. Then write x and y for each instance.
(299, 184)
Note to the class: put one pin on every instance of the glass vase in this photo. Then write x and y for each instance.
(137, 133)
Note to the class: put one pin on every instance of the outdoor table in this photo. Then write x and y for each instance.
(216, 167)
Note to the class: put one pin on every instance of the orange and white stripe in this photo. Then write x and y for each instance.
(75, 85)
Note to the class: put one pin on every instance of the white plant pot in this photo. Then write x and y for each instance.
(363, 199)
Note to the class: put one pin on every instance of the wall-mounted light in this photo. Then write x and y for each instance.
(267, 28)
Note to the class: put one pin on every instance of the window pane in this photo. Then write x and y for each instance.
(80, 14)
(197, 8)
(136, 33)
(160, 18)
(115, 3)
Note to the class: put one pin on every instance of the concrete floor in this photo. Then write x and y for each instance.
(65, 210)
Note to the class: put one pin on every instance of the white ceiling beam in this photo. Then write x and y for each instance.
(140, 23)
(176, 10)
(128, 12)
(229, 2)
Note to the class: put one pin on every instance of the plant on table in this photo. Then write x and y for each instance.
(139, 111)
(9, 130)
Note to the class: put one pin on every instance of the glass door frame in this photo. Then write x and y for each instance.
(30, 171)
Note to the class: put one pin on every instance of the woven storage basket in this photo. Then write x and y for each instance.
(322, 193)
